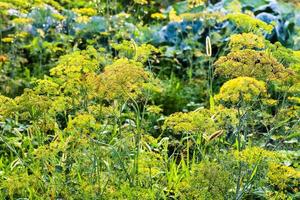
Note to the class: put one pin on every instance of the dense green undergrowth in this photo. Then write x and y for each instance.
(149, 99)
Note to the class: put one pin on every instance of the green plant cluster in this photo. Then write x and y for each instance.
(148, 99)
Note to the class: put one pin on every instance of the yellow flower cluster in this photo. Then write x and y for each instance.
(218, 16)
(130, 50)
(210, 123)
(19, 4)
(173, 17)
(141, 2)
(246, 41)
(282, 54)
(19, 21)
(249, 23)
(82, 123)
(85, 11)
(154, 109)
(75, 64)
(76, 73)
(244, 89)
(280, 175)
(5, 5)
(256, 64)
(158, 16)
(29, 107)
(211, 178)
(192, 122)
(150, 164)
(83, 19)
(125, 79)
(254, 155)
(5, 106)
(225, 117)
(7, 39)
(48, 87)
(196, 3)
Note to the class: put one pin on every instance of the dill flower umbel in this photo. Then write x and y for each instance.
(125, 79)
(244, 89)
(85, 11)
(158, 16)
(256, 64)
(195, 3)
(6, 105)
(129, 49)
(281, 175)
(82, 123)
(44, 86)
(246, 41)
(20, 21)
(173, 17)
(210, 123)
(211, 178)
(75, 64)
(249, 23)
(192, 122)
(254, 155)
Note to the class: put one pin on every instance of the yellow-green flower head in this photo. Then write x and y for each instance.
(210, 123)
(195, 3)
(44, 86)
(125, 79)
(244, 89)
(129, 49)
(22, 20)
(77, 63)
(4, 6)
(225, 117)
(82, 123)
(249, 23)
(154, 109)
(246, 41)
(6, 105)
(85, 11)
(150, 164)
(256, 64)
(158, 16)
(191, 122)
(253, 155)
(141, 2)
(281, 176)
(284, 55)
(7, 39)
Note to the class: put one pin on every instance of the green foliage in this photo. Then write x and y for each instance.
(148, 99)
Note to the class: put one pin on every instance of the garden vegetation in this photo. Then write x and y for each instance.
(150, 99)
